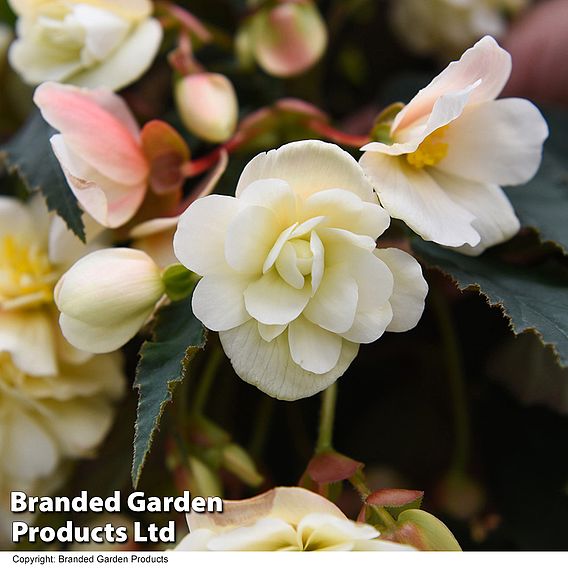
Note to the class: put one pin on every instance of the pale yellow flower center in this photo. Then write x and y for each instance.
(304, 256)
(432, 150)
(27, 277)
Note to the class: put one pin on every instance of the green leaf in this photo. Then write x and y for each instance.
(164, 362)
(533, 298)
(29, 154)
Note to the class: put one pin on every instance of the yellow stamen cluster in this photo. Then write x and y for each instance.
(26, 275)
(431, 151)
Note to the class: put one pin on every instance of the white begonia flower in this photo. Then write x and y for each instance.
(106, 297)
(282, 519)
(451, 149)
(47, 420)
(292, 280)
(90, 43)
(35, 249)
(447, 27)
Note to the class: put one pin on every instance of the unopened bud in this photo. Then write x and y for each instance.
(106, 297)
(287, 39)
(208, 106)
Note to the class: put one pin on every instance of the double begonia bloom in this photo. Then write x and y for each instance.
(207, 104)
(99, 149)
(282, 519)
(292, 279)
(90, 43)
(451, 149)
(106, 297)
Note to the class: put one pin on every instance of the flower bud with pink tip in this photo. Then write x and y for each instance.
(208, 106)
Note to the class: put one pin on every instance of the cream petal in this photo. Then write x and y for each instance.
(81, 426)
(15, 218)
(270, 332)
(128, 62)
(413, 196)
(218, 302)
(318, 261)
(497, 142)
(287, 267)
(345, 210)
(195, 541)
(369, 324)
(199, 242)
(313, 348)
(495, 218)
(409, 291)
(291, 504)
(334, 305)
(485, 60)
(110, 203)
(283, 237)
(274, 194)
(250, 237)
(269, 366)
(28, 451)
(272, 301)
(102, 339)
(266, 534)
(22, 329)
(309, 166)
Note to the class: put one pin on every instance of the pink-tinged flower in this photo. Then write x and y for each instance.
(282, 519)
(452, 147)
(208, 106)
(286, 39)
(107, 161)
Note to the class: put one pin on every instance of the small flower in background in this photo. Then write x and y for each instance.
(282, 519)
(50, 419)
(452, 147)
(285, 39)
(109, 163)
(292, 280)
(208, 106)
(446, 27)
(106, 297)
(100, 43)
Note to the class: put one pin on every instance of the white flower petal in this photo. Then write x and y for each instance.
(270, 332)
(274, 194)
(313, 348)
(266, 534)
(272, 301)
(369, 324)
(287, 267)
(218, 302)
(269, 366)
(318, 261)
(498, 142)
(250, 237)
(283, 237)
(485, 60)
(309, 166)
(345, 210)
(413, 196)
(128, 62)
(334, 305)
(409, 291)
(199, 242)
(495, 219)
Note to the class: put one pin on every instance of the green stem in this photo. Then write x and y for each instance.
(207, 378)
(456, 379)
(327, 416)
(265, 412)
(360, 485)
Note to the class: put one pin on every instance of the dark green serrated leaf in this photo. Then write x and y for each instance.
(164, 362)
(29, 154)
(532, 298)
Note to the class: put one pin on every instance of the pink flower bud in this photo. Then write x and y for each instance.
(289, 38)
(208, 106)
